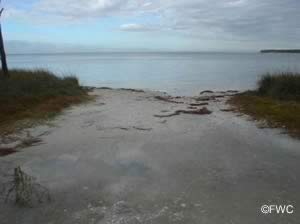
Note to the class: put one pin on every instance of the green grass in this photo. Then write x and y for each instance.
(275, 101)
(283, 86)
(35, 94)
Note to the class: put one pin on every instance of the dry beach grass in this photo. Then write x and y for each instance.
(276, 101)
(37, 94)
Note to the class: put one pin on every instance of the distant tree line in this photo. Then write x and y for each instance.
(281, 51)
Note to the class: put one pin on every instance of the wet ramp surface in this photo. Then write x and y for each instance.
(113, 161)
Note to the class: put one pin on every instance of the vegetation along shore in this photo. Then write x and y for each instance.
(293, 51)
(28, 96)
(275, 101)
(35, 94)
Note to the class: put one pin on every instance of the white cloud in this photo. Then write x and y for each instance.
(133, 27)
(236, 3)
(147, 4)
(220, 19)
(11, 13)
(79, 8)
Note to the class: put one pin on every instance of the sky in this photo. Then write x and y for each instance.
(31, 26)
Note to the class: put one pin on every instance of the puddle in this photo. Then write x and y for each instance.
(23, 190)
(134, 168)
(192, 169)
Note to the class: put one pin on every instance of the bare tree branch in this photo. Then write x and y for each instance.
(2, 9)
(2, 50)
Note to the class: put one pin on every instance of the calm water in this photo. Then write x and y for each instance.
(176, 73)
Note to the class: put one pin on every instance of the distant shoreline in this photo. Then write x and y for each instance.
(294, 51)
(130, 52)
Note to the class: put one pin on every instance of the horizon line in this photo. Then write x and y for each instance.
(131, 51)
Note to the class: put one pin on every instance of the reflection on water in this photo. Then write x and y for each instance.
(23, 190)
(133, 168)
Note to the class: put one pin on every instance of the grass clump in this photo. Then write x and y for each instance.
(275, 101)
(284, 86)
(36, 94)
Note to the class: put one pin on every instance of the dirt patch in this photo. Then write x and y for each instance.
(274, 113)
(124, 128)
(141, 128)
(7, 151)
(228, 110)
(168, 99)
(192, 108)
(211, 98)
(202, 111)
(204, 98)
(133, 90)
(104, 88)
(206, 91)
(199, 104)
(25, 113)
(30, 141)
(21, 143)
(220, 96)
(232, 91)
(163, 122)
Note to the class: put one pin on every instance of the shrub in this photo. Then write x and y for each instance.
(38, 83)
(283, 86)
(36, 94)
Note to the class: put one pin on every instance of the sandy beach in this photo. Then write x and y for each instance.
(145, 157)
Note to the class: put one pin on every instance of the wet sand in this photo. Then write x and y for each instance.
(123, 159)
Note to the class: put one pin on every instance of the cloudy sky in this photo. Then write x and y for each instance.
(177, 25)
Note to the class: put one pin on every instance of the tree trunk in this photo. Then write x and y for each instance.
(3, 55)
